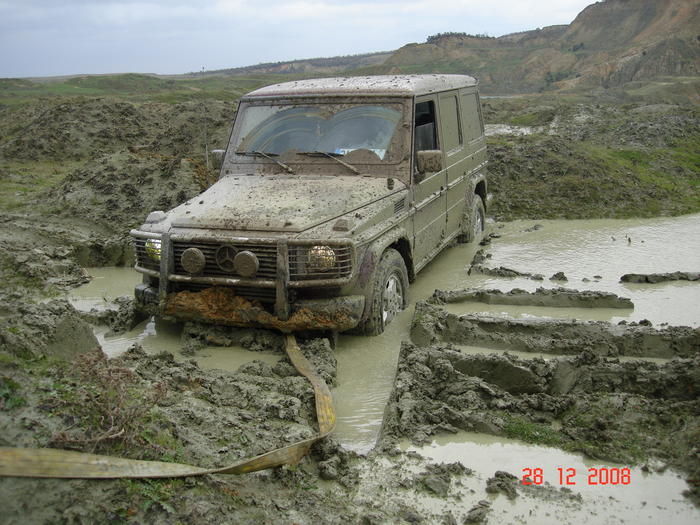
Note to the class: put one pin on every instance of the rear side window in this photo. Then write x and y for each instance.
(472, 121)
(451, 126)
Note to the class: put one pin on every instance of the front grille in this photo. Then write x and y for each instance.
(299, 269)
(142, 257)
(266, 254)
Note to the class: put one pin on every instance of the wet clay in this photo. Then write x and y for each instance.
(558, 297)
(432, 324)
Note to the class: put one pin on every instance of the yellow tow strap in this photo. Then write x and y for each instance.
(55, 463)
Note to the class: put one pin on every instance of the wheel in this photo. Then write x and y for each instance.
(389, 292)
(475, 221)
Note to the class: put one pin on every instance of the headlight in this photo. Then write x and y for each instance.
(321, 258)
(153, 249)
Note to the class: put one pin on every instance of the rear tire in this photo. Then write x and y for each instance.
(475, 221)
(389, 292)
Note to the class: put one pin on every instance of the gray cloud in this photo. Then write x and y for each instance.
(45, 37)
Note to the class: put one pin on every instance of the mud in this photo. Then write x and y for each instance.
(659, 277)
(55, 328)
(502, 271)
(121, 315)
(558, 297)
(625, 412)
(220, 305)
(154, 407)
(432, 324)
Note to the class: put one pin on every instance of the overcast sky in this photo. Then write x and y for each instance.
(58, 37)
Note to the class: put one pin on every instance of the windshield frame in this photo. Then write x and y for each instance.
(396, 160)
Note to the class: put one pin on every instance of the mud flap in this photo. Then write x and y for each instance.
(54, 463)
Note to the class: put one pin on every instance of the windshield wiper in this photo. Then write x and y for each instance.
(270, 156)
(333, 156)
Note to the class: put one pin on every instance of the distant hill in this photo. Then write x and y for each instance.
(608, 44)
(330, 65)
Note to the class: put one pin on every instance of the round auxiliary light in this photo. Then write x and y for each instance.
(246, 264)
(321, 258)
(193, 260)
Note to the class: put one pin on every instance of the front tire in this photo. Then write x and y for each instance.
(389, 292)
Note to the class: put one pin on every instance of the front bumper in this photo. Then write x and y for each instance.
(220, 305)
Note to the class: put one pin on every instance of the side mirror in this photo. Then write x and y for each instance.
(429, 161)
(217, 157)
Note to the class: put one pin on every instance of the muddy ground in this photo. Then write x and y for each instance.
(77, 173)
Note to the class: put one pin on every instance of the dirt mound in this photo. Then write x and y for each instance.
(53, 329)
(120, 189)
(616, 411)
(85, 128)
(541, 176)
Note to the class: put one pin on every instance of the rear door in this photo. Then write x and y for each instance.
(429, 194)
(453, 159)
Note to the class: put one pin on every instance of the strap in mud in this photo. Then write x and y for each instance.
(55, 463)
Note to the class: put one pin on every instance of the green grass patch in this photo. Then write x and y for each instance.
(9, 394)
(537, 433)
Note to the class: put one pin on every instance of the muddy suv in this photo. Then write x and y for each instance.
(333, 194)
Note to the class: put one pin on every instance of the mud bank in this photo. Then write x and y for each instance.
(432, 324)
(502, 271)
(659, 277)
(625, 412)
(154, 407)
(558, 297)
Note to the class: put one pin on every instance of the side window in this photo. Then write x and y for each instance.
(451, 126)
(472, 117)
(425, 137)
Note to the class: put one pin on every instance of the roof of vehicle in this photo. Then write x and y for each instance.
(406, 85)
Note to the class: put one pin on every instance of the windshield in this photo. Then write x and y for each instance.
(335, 129)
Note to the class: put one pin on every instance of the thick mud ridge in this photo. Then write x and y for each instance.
(557, 297)
(659, 277)
(625, 412)
(432, 324)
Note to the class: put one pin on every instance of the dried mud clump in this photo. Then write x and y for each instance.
(607, 409)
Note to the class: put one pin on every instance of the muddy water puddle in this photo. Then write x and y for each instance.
(607, 248)
(107, 284)
(646, 498)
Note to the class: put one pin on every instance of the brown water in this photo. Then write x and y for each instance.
(366, 365)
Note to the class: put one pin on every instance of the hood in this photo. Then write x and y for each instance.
(279, 203)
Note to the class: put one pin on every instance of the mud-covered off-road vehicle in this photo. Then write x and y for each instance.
(333, 194)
